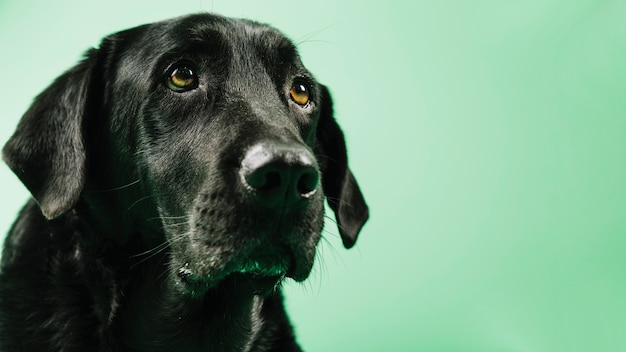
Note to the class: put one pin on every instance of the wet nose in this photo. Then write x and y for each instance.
(280, 174)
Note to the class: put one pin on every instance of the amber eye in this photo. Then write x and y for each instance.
(300, 93)
(182, 78)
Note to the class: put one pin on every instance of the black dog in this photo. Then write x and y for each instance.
(178, 175)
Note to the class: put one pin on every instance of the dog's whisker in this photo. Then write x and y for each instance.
(174, 225)
(308, 36)
(162, 245)
(335, 253)
(175, 221)
(178, 237)
(151, 253)
(164, 272)
(308, 41)
(320, 268)
(166, 265)
(334, 234)
(165, 219)
(325, 157)
(117, 188)
(172, 217)
(330, 233)
(139, 201)
(330, 218)
(155, 253)
(341, 201)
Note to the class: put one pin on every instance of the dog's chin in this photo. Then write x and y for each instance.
(261, 276)
(253, 284)
(234, 285)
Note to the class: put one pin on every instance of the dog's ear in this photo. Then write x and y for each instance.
(342, 191)
(47, 150)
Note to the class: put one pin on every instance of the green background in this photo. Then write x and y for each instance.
(489, 138)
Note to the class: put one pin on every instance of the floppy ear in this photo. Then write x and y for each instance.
(47, 150)
(341, 189)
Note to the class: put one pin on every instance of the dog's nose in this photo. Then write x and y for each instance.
(279, 174)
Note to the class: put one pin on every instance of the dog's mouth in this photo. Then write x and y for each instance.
(259, 272)
(234, 284)
(260, 276)
(268, 267)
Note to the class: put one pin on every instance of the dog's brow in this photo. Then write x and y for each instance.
(200, 34)
(207, 40)
(270, 41)
(204, 35)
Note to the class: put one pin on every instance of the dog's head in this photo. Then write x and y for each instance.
(203, 131)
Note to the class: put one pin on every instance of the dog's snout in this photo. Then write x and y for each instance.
(280, 175)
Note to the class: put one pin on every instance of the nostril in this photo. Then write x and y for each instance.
(307, 183)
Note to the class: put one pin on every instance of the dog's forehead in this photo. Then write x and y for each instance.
(224, 32)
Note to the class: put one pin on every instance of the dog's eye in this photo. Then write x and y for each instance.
(300, 93)
(182, 78)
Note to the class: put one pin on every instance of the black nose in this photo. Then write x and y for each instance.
(279, 174)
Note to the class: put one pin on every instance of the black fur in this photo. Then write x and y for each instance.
(148, 229)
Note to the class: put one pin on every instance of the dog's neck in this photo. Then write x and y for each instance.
(158, 316)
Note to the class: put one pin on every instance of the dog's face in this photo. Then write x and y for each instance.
(215, 126)
(217, 96)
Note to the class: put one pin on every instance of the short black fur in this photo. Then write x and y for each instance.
(148, 229)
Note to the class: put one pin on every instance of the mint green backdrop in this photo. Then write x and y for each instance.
(489, 138)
